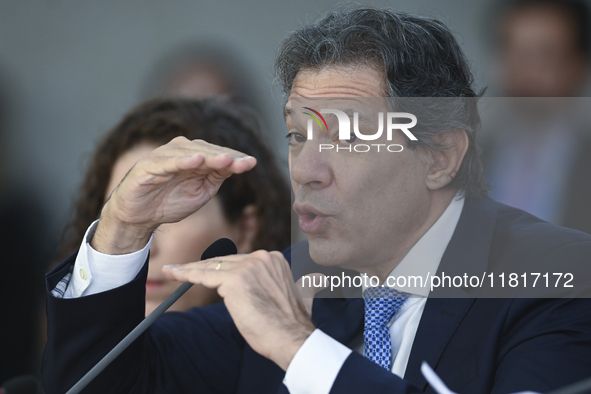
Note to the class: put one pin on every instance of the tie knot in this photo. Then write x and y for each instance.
(381, 303)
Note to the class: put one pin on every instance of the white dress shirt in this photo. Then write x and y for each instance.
(95, 272)
(317, 363)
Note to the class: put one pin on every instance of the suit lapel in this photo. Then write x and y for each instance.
(339, 313)
(467, 253)
(440, 319)
(341, 318)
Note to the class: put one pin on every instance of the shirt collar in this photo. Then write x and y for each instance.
(424, 257)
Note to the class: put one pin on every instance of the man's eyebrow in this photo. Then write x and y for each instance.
(363, 117)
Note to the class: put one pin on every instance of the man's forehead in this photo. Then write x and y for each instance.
(363, 106)
(339, 81)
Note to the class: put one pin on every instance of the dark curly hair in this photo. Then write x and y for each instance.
(159, 121)
(420, 58)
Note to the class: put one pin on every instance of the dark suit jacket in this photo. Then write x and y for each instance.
(476, 345)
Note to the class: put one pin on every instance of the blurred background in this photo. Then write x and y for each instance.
(70, 70)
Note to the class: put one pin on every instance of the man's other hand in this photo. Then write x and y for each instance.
(166, 186)
(271, 313)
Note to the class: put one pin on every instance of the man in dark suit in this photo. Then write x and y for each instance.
(379, 214)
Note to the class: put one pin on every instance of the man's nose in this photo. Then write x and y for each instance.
(311, 167)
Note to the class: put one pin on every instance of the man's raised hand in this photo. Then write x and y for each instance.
(166, 186)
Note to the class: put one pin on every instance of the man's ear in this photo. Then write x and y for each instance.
(248, 226)
(445, 164)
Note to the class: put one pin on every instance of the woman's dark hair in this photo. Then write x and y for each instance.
(159, 121)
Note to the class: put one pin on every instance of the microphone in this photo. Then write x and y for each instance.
(221, 247)
(25, 384)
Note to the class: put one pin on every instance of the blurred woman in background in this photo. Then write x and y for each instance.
(252, 209)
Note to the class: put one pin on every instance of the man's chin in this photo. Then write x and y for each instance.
(324, 252)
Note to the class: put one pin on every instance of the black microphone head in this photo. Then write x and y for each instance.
(25, 384)
(221, 247)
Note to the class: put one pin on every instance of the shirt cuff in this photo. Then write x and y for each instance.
(316, 364)
(95, 272)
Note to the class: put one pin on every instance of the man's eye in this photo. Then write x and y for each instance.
(352, 139)
(295, 138)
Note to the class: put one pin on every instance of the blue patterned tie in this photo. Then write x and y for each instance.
(381, 304)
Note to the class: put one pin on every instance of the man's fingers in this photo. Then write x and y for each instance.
(219, 166)
(228, 163)
(243, 164)
(203, 276)
(183, 154)
(181, 272)
(214, 272)
(209, 151)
